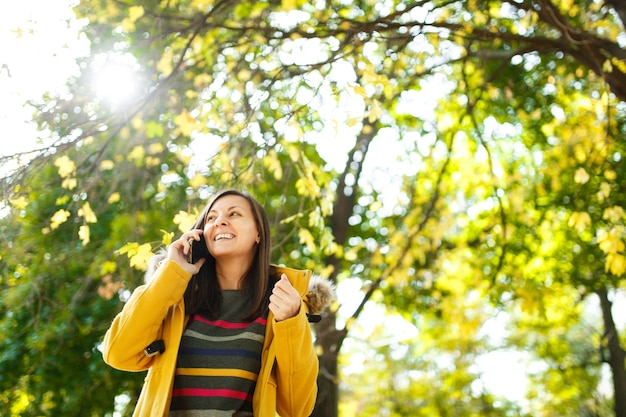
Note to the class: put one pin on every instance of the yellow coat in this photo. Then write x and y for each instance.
(287, 381)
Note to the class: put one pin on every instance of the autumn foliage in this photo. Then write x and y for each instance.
(457, 169)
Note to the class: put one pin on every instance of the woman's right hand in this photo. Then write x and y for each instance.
(179, 249)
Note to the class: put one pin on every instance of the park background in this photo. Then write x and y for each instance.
(455, 168)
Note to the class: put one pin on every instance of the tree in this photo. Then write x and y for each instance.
(489, 188)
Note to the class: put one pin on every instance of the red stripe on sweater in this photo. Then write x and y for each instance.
(230, 325)
(201, 392)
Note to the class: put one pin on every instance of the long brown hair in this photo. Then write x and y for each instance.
(203, 291)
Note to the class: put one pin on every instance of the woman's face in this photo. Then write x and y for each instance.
(230, 229)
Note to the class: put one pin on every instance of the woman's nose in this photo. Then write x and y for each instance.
(221, 220)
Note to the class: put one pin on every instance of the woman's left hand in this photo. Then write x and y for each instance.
(285, 299)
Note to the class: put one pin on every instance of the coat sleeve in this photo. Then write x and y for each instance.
(140, 321)
(297, 366)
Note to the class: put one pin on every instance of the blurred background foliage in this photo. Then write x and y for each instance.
(455, 168)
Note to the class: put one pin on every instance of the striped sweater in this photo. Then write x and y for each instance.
(218, 363)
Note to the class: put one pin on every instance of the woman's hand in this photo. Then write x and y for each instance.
(179, 249)
(285, 300)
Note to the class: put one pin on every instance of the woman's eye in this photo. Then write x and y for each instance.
(234, 213)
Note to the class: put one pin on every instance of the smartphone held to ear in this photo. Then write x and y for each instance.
(197, 250)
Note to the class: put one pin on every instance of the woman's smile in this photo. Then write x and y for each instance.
(224, 236)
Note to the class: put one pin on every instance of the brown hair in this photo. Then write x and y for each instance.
(203, 291)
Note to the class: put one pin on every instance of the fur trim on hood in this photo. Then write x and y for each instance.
(153, 264)
(320, 295)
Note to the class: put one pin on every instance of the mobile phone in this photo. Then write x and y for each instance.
(197, 250)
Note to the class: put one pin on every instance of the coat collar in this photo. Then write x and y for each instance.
(299, 278)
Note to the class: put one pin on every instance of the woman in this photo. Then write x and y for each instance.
(226, 335)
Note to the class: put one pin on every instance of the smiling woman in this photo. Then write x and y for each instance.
(230, 333)
(116, 78)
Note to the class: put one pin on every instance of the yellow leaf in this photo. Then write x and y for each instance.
(581, 176)
(244, 75)
(186, 123)
(167, 237)
(351, 255)
(59, 218)
(529, 303)
(108, 267)
(137, 154)
(156, 148)
(185, 220)
(107, 165)
(327, 205)
(165, 66)
(613, 214)
(129, 248)
(19, 202)
(452, 284)
(360, 90)
(202, 5)
(610, 242)
(84, 234)
(139, 255)
(307, 186)
(152, 161)
(87, 213)
(296, 131)
(124, 133)
(548, 129)
(69, 183)
(610, 175)
(315, 219)
(605, 191)
(272, 163)
(197, 181)
(445, 122)
(375, 206)
(326, 271)
(66, 166)
(350, 322)
(128, 26)
(137, 122)
(307, 238)
(291, 218)
(376, 110)
(201, 81)
(21, 403)
(579, 220)
(615, 263)
(619, 63)
(289, 5)
(62, 200)
(135, 12)
(580, 153)
(141, 258)
(352, 121)
(114, 198)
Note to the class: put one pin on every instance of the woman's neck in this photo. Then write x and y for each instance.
(230, 273)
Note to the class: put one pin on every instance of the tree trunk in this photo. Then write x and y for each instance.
(616, 354)
(329, 339)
